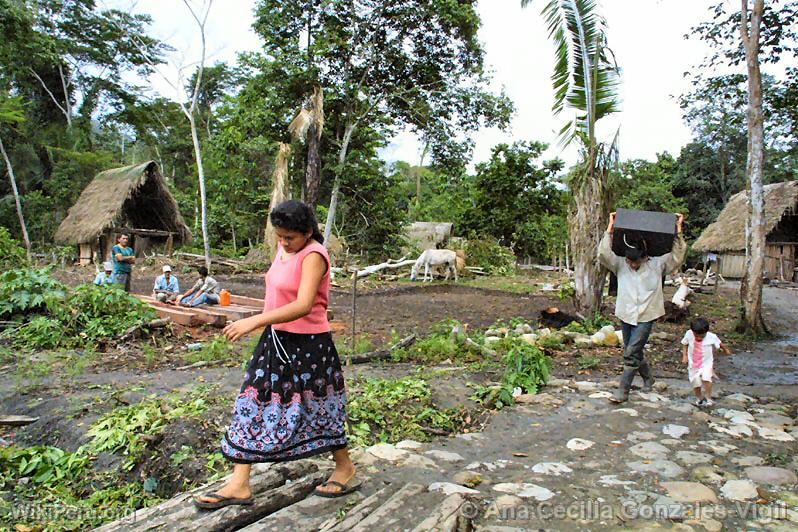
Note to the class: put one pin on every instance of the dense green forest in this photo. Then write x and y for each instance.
(67, 112)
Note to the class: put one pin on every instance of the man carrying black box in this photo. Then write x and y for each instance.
(639, 302)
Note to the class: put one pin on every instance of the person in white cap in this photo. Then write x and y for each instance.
(106, 276)
(166, 286)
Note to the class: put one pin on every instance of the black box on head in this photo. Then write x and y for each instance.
(655, 230)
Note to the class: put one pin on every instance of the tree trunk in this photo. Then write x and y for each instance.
(16, 198)
(587, 217)
(201, 177)
(350, 128)
(751, 288)
(418, 173)
(313, 169)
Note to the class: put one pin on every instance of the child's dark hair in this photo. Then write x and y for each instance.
(295, 215)
(203, 271)
(699, 326)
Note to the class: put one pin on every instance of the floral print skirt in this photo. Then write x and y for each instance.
(293, 401)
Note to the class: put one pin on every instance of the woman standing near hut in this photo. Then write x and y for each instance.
(293, 401)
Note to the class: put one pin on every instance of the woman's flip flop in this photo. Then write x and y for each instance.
(221, 502)
(349, 487)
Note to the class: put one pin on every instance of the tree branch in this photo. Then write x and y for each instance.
(52, 96)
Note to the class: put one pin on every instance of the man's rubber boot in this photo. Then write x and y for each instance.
(648, 379)
(621, 395)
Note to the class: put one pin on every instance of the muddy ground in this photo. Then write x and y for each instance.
(68, 402)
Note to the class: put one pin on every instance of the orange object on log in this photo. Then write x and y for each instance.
(224, 298)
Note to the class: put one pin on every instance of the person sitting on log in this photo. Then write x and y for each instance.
(106, 276)
(167, 287)
(205, 290)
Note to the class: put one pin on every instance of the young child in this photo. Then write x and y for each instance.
(697, 352)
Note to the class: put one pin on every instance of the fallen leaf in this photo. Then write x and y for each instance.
(520, 454)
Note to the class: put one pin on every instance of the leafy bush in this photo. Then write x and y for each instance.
(27, 290)
(122, 429)
(40, 333)
(555, 342)
(11, 253)
(485, 252)
(389, 410)
(527, 368)
(44, 465)
(588, 362)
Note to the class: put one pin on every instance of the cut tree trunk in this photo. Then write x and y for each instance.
(587, 217)
(751, 287)
(313, 169)
(17, 202)
(201, 178)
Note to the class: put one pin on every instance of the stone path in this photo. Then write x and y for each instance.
(567, 460)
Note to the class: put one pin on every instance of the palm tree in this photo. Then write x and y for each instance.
(586, 81)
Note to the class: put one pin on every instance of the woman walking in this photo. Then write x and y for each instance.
(293, 401)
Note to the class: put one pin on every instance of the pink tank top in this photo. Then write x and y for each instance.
(282, 287)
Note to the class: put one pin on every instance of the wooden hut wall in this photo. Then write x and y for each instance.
(732, 265)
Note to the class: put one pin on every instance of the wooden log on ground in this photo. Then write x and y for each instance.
(383, 353)
(376, 519)
(358, 513)
(16, 421)
(446, 517)
(387, 265)
(308, 514)
(136, 329)
(246, 301)
(201, 314)
(235, 312)
(268, 488)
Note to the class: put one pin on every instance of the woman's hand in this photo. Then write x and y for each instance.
(239, 328)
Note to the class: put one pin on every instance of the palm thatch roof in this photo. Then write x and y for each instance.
(133, 196)
(727, 233)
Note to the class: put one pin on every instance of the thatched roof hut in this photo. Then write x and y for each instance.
(133, 198)
(726, 236)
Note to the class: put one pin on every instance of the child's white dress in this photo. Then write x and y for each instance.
(700, 357)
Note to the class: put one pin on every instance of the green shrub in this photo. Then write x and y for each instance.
(11, 253)
(28, 290)
(588, 362)
(527, 368)
(39, 333)
(555, 342)
(485, 252)
(44, 465)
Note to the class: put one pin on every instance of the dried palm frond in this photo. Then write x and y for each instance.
(280, 192)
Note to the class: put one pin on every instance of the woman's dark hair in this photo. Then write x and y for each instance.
(295, 215)
(203, 271)
(635, 254)
(635, 247)
(699, 326)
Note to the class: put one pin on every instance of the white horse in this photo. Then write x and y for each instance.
(433, 258)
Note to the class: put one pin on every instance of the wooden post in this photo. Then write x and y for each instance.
(170, 243)
(354, 319)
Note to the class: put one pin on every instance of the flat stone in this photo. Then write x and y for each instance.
(581, 405)
(386, 451)
(675, 431)
(739, 414)
(706, 474)
(689, 492)
(505, 502)
(739, 490)
(775, 435)
(654, 397)
(468, 479)
(740, 398)
(468, 436)
(558, 382)
(748, 461)
(664, 468)
(446, 456)
(362, 458)
(775, 476)
(449, 488)
(586, 386)
(692, 458)
(707, 523)
(551, 468)
(422, 462)
(701, 416)
(525, 490)
(718, 447)
(670, 442)
(660, 386)
(613, 480)
(684, 408)
(409, 445)
(650, 450)
(578, 444)
(641, 436)
(736, 431)
(600, 395)
(628, 411)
